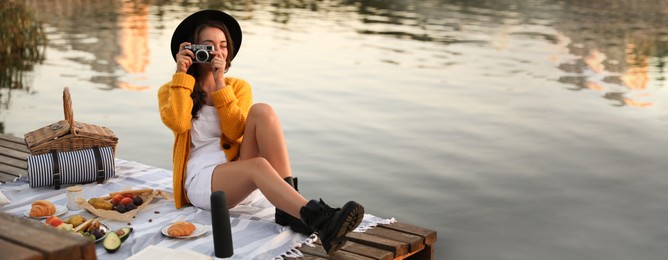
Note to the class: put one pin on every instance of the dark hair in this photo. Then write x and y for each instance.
(199, 95)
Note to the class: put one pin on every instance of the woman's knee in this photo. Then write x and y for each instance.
(260, 165)
(262, 110)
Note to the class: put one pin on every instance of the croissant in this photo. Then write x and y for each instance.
(180, 229)
(42, 208)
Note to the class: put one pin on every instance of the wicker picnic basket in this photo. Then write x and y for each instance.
(69, 135)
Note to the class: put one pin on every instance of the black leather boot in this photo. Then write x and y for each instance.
(284, 219)
(332, 224)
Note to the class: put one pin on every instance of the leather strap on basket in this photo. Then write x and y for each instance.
(98, 163)
(56, 170)
(67, 108)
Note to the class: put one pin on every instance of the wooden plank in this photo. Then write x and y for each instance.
(11, 138)
(425, 254)
(13, 171)
(15, 251)
(52, 243)
(23, 164)
(18, 146)
(4, 178)
(368, 251)
(397, 247)
(428, 235)
(13, 158)
(319, 251)
(310, 257)
(364, 250)
(12, 153)
(415, 243)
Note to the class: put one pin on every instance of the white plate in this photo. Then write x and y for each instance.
(199, 230)
(60, 210)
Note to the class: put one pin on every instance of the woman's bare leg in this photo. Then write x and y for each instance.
(239, 178)
(263, 137)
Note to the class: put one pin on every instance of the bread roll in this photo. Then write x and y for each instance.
(180, 229)
(42, 208)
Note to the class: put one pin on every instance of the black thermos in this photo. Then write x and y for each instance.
(220, 219)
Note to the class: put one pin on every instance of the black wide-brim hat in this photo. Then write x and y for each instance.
(187, 28)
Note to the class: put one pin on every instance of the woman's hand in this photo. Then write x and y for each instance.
(218, 65)
(184, 58)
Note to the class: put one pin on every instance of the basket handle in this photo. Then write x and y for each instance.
(67, 107)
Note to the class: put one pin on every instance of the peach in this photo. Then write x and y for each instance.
(125, 201)
(116, 199)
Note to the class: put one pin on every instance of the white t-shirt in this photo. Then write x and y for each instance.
(205, 150)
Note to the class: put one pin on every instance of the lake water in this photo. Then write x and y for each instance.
(516, 129)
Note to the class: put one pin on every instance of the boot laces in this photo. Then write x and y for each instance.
(327, 210)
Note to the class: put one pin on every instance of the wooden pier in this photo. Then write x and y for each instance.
(384, 242)
(13, 155)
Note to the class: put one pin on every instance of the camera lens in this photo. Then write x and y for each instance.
(201, 56)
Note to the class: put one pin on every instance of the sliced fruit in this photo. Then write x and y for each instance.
(54, 221)
(111, 242)
(87, 235)
(49, 219)
(123, 233)
(64, 226)
(84, 226)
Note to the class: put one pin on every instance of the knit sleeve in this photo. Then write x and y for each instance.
(175, 103)
(233, 103)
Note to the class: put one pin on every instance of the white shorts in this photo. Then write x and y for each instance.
(198, 188)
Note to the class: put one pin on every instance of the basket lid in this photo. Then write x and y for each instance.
(93, 131)
(47, 133)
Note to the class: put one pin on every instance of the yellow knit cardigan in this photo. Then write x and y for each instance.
(232, 103)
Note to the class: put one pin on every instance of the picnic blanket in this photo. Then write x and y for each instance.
(254, 233)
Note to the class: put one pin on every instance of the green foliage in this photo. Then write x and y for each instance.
(22, 43)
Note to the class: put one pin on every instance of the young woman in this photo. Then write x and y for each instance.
(222, 142)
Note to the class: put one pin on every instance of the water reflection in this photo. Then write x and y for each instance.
(22, 42)
(78, 28)
(114, 32)
(610, 46)
(614, 47)
(133, 40)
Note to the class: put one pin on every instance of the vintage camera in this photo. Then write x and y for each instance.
(202, 53)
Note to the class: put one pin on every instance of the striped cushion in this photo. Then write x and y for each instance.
(74, 166)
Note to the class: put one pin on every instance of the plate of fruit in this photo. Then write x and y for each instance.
(97, 233)
(89, 228)
(122, 205)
